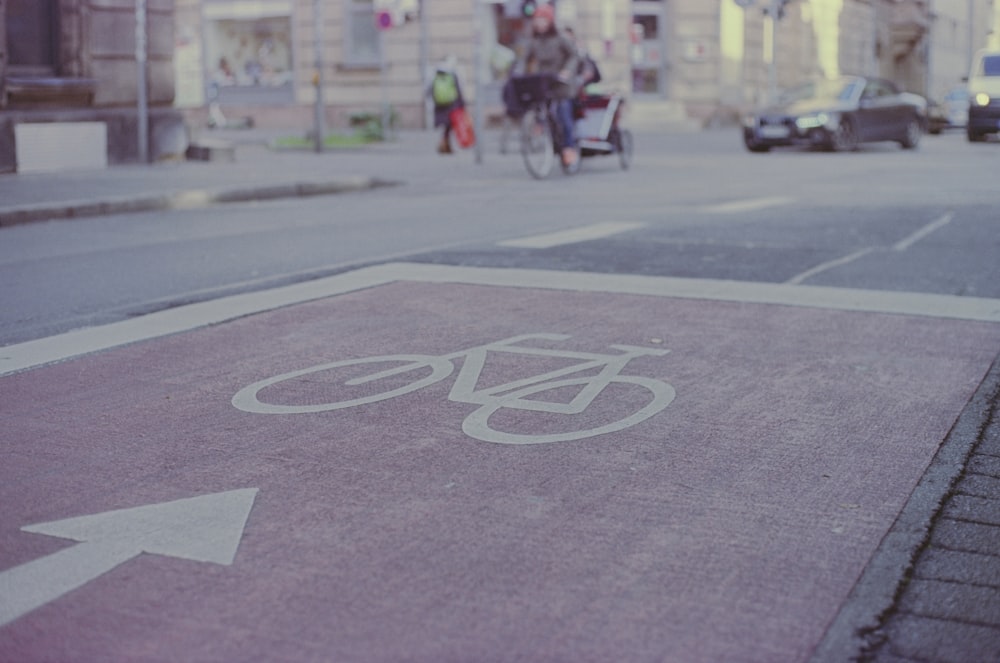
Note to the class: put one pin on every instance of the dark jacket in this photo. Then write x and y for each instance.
(553, 53)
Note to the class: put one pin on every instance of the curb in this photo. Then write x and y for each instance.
(879, 587)
(187, 199)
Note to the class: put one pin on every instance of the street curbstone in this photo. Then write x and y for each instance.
(952, 601)
(973, 509)
(187, 199)
(959, 567)
(917, 638)
(966, 537)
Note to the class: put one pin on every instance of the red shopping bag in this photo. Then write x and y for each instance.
(461, 124)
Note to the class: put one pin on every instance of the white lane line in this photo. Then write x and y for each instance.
(15, 358)
(572, 236)
(749, 205)
(830, 264)
(923, 232)
(901, 245)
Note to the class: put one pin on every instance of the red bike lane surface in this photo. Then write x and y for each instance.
(729, 525)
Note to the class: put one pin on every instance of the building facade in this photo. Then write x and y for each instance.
(958, 28)
(71, 65)
(259, 58)
(74, 61)
(924, 46)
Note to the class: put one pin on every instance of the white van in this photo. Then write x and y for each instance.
(984, 96)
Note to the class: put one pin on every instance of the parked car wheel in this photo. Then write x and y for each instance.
(752, 145)
(845, 137)
(911, 135)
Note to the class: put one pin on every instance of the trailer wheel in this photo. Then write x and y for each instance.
(624, 146)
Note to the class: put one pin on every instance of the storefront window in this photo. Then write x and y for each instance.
(248, 51)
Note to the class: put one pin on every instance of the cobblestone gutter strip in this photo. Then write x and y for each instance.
(861, 627)
(184, 200)
(949, 608)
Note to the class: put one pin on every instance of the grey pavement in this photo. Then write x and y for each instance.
(945, 602)
(254, 171)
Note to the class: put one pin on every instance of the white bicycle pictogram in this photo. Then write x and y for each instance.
(510, 395)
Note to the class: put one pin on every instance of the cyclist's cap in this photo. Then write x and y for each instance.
(545, 11)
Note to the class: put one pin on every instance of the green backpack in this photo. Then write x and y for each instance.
(445, 90)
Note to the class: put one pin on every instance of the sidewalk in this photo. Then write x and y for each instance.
(255, 172)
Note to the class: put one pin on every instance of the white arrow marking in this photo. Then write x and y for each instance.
(207, 528)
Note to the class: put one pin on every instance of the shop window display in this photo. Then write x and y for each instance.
(245, 55)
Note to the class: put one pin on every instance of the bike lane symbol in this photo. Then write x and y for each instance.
(430, 369)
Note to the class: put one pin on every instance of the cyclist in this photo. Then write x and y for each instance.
(551, 52)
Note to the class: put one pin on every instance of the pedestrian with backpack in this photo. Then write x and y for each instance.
(446, 93)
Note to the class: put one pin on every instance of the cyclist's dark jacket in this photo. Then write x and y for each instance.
(551, 53)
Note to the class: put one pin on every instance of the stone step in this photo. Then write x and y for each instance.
(210, 150)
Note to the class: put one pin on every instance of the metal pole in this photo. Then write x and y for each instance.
(384, 85)
(770, 46)
(142, 97)
(876, 67)
(319, 124)
(972, 36)
(424, 63)
(477, 63)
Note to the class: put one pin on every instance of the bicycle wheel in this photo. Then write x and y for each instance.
(624, 146)
(246, 398)
(536, 144)
(477, 424)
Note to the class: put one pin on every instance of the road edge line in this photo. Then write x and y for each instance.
(32, 354)
(185, 199)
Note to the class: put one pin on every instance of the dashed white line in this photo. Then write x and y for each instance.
(906, 243)
(572, 236)
(899, 246)
(830, 264)
(749, 205)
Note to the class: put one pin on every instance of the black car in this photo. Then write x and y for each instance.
(838, 114)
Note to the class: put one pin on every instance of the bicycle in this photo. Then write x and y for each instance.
(542, 138)
(513, 395)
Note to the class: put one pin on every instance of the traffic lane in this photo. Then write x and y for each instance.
(728, 526)
(62, 275)
(917, 249)
(957, 255)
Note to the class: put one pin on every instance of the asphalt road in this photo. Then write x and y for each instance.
(693, 205)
